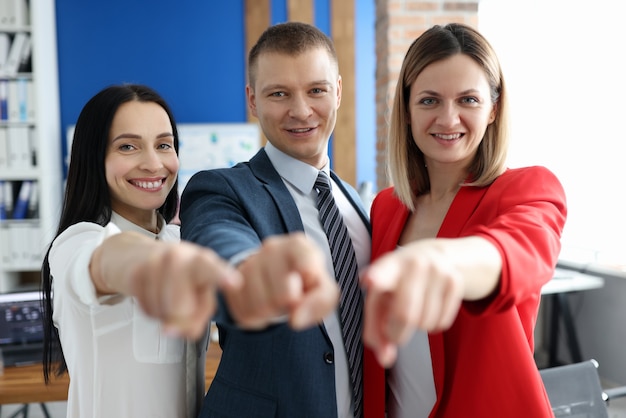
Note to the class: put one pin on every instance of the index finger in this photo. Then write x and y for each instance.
(382, 275)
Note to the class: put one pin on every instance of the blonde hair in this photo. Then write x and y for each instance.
(407, 168)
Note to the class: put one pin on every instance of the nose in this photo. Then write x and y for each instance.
(151, 160)
(300, 107)
(449, 115)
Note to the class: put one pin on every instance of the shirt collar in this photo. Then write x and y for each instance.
(300, 175)
(126, 225)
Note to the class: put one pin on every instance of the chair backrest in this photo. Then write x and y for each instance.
(575, 390)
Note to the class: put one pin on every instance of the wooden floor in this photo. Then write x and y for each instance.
(212, 361)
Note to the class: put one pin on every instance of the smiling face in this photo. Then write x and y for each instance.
(296, 99)
(450, 109)
(140, 163)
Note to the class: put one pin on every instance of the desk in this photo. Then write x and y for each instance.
(25, 385)
(562, 284)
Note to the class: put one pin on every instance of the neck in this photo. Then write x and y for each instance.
(147, 220)
(445, 180)
(155, 229)
(442, 187)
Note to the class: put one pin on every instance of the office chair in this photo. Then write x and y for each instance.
(23, 411)
(574, 390)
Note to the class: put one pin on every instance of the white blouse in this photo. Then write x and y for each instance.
(411, 382)
(120, 363)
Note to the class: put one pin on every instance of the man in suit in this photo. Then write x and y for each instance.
(269, 369)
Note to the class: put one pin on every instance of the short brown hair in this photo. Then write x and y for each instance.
(290, 38)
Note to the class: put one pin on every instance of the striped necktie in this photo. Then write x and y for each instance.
(351, 300)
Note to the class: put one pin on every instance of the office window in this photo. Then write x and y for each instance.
(563, 63)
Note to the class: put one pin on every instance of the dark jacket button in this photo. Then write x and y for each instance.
(329, 357)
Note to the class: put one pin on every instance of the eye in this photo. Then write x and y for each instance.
(470, 100)
(318, 90)
(126, 147)
(166, 146)
(278, 94)
(428, 101)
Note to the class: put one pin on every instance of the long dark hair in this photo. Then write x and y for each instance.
(87, 197)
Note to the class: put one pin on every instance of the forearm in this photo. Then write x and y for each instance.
(115, 262)
(422, 285)
(476, 261)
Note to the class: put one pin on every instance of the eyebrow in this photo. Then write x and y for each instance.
(135, 136)
(434, 93)
(273, 87)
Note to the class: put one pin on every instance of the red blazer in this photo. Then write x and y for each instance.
(483, 365)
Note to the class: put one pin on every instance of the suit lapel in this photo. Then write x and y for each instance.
(264, 171)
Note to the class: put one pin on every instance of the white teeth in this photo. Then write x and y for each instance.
(448, 137)
(147, 184)
(300, 130)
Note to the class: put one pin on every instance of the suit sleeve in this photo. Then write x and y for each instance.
(213, 215)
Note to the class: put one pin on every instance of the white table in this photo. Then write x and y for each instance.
(558, 289)
(571, 281)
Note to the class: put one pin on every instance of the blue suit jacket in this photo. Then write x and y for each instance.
(276, 372)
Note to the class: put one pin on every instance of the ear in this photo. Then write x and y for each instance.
(492, 114)
(339, 90)
(251, 99)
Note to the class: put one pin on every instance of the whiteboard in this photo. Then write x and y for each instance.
(205, 146)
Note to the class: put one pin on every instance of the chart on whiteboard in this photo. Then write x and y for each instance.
(205, 146)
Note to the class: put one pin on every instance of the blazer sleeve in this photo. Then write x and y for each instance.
(523, 215)
(212, 214)
(232, 211)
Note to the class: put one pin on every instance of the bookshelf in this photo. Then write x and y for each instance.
(30, 146)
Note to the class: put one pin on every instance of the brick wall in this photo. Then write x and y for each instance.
(398, 23)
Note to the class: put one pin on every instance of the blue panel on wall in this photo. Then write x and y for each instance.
(190, 51)
(365, 68)
(322, 16)
(278, 12)
(322, 21)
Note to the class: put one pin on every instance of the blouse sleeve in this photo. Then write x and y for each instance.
(69, 260)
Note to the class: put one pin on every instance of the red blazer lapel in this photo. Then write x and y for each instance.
(388, 234)
(394, 215)
(461, 209)
(464, 204)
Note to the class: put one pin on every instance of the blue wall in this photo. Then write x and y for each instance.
(192, 52)
(365, 55)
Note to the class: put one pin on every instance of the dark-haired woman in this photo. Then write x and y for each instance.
(121, 292)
